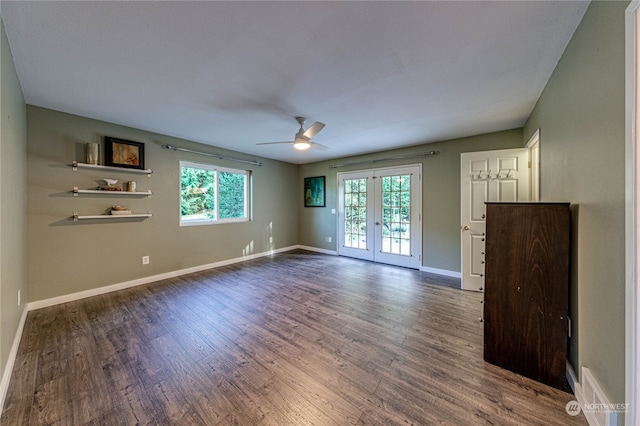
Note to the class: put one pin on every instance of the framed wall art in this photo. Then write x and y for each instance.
(314, 191)
(122, 153)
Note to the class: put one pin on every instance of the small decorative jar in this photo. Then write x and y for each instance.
(92, 153)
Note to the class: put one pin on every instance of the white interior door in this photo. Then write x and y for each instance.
(379, 217)
(500, 175)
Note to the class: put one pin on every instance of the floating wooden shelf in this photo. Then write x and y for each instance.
(77, 191)
(75, 165)
(77, 217)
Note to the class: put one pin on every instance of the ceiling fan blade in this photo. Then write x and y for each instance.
(273, 143)
(313, 130)
(319, 146)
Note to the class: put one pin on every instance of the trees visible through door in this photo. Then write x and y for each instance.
(355, 213)
(380, 215)
(396, 214)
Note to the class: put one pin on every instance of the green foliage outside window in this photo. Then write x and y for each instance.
(396, 203)
(232, 195)
(198, 196)
(199, 200)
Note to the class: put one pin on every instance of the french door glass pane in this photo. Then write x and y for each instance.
(355, 217)
(396, 220)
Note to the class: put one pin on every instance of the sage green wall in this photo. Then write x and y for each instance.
(66, 257)
(440, 194)
(581, 119)
(13, 149)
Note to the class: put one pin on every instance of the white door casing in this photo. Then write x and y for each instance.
(534, 166)
(388, 227)
(632, 212)
(500, 175)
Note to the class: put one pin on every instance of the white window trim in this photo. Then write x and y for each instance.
(217, 169)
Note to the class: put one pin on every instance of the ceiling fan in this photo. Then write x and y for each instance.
(302, 139)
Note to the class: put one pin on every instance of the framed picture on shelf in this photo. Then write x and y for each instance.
(314, 194)
(122, 153)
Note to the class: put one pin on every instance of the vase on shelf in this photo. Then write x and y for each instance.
(93, 150)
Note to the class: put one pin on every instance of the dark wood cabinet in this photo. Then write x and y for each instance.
(526, 300)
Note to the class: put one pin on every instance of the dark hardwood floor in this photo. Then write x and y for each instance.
(294, 339)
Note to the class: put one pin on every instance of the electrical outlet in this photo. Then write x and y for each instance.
(145, 260)
(18, 297)
(328, 239)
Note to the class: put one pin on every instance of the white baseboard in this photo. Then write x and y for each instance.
(39, 304)
(592, 396)
(572, 378)
(8, 369)
(603, 413)
(318, 250)
(445, 272)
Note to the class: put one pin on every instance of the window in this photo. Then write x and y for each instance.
(210, 194)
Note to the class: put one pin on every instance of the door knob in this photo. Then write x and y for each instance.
(466, 228)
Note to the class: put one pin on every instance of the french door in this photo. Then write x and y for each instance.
(379, 215)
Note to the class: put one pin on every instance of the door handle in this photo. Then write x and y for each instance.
(466, 228)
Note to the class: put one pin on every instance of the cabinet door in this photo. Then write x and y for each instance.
(526, 296)
(503, 307)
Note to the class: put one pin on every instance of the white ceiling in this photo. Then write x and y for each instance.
(232, 74)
